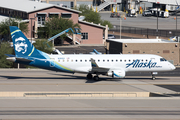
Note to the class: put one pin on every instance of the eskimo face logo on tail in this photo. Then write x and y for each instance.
(21, 45)
(138, 64)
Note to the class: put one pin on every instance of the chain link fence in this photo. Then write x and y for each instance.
(145, 31)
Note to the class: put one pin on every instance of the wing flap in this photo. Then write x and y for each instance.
(96, 68)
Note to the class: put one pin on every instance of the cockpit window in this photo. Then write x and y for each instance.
(162, 59)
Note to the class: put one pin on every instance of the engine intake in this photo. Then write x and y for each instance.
(117, 73)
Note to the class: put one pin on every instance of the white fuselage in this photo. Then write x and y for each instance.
(126, 62)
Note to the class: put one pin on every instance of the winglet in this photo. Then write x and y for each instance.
(93, 63)
(177, 5)
(94, 50)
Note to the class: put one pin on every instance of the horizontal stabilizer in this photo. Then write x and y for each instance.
(18, 59)
(23, 59)
(9, 55)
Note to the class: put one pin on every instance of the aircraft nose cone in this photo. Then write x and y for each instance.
(173, 67)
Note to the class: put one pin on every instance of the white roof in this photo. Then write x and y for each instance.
(28, 6)
(141, 40)
(92, 24)
(173, 2)
(2, 18)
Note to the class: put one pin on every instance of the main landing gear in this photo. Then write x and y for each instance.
(153, 75)
(89, 76)
(96, 78)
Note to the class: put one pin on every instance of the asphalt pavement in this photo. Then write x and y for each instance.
(144, 22)
(165, 106)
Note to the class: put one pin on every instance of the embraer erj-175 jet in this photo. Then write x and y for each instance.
(114, 65)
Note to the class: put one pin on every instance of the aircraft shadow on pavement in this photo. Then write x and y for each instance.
(89, 80)
(145, 78)
(19, 77)
(71, 77)
(76, 77)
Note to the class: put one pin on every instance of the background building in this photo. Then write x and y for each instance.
(122, 5)
(37, 13)
(167, 49)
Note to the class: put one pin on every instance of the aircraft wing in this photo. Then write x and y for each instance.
(96, 68)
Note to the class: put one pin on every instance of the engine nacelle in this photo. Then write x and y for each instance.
(117, 73)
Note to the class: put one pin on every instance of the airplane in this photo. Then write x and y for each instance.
(113, 65)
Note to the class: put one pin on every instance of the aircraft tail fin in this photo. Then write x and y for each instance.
(22, 46)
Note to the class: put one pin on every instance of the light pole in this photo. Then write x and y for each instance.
(120, 26)
(21, 21)
(31, 28)
(157, 6)
(120, 20)
(176, 15)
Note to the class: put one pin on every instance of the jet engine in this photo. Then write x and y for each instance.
(117, 73)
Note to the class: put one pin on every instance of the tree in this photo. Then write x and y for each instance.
(5, 49)
(44, 46)
(105, 22)
(56, 25)
(4, 27)
(92, 16)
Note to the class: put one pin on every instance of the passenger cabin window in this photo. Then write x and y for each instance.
(162, 59)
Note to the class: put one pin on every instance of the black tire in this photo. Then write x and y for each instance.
(89, 76)
(96, 78)
(153, 77)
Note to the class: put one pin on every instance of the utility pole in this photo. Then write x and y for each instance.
(31, 28)
(176, 15)
(176, 21)
(157, 6)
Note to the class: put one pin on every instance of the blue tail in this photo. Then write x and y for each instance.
(22, 46)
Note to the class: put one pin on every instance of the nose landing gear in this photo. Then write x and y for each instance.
(153, 75)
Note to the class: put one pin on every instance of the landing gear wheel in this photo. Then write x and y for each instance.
(89, 76)
(96, 78)
(153, 77)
